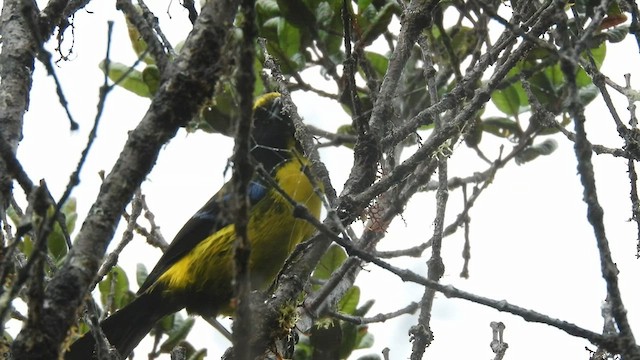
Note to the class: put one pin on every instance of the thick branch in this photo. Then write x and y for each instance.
(16, 67)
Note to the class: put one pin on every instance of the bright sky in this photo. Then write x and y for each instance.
(530, 242)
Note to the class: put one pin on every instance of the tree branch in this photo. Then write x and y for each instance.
(19, 47)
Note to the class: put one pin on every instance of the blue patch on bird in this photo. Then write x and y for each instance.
(256, 192)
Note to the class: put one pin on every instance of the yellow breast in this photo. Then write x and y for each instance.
(207, 270)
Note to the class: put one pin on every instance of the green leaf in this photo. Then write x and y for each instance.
(27, 245)
(324, 14)
(367, 12)
(178, 47)
(166, 324)
(269, 30)
(288, 38)
(414, 94)
(363, 5)
(132, 81)
(538, 53)
(502, 127)
(13, 215)
(330, 29)
(177, 334)
(543, 87)
(379, 62)
(347, 130)
(57, 244)
(365, 340)
(587, 94)
(349, 339)
(221, 113)
(380, 22)
(115, 284)
(303, 350)
(326, 340)
(137, 43)
(141, 274)
(597, 54)
(69, 211)
(151, 77)
(297, 13)
(507, 101)
(267, 9)
(582, 78)
(532, 152)
(555, 76)
(463, 40)
(474, 134)
(220, 116)
(332, 259)
(349, 301)
(199, 355)
(617, 34)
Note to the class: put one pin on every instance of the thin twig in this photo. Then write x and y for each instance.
(152, 20)
(112, 259)
(191, 9)
(466, 250)
(156, 48)
(74, 179)
(14, 168)
(45, 58)
(350, 66)
(633, 176)
(421, 334)
(498, 346)
(336, 139)
(155, 237)
(380, 318)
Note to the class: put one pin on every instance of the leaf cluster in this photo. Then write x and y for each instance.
(329, 336)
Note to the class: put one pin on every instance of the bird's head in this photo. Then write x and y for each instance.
(273, 128)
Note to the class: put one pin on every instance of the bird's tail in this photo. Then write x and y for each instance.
(126, 327)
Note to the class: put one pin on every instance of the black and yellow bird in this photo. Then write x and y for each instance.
(196, 270)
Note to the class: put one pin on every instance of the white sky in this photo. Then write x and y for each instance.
(530, 241)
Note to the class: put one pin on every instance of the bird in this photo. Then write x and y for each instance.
(196, 270)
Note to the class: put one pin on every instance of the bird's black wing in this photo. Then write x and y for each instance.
(213, 216)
